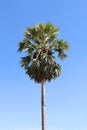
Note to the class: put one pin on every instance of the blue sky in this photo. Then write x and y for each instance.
(67, 95)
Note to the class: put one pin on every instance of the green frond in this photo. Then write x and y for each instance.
(43, 70)
(63, 45)
(25, 61)
(26, 46)
(50, 28)
(62, 56)
(60, 47)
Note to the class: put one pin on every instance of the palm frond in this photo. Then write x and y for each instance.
(25, 61)
(63, 45)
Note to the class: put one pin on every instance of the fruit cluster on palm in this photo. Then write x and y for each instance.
(40, 44)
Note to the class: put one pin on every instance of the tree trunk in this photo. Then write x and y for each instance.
(43, 105)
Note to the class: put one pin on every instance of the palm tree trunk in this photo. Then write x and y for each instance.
(43, 105)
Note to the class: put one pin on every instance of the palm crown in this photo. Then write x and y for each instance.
(40, 44)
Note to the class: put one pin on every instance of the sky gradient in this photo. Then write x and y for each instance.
(67, 95)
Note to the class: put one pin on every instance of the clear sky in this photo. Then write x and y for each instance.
(67, 95)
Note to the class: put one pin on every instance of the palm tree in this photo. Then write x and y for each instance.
(40, 44)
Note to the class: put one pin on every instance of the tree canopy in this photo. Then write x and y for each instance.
(40, 44)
